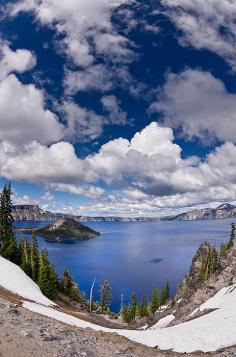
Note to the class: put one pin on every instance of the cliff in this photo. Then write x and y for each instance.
(223, 211)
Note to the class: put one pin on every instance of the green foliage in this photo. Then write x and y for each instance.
(165, 294)
(26, 257)
(209, 264)
(125, 314)
(133, 306)
(143, 307)
(35, 261)
(155, 301)
(232, 236)
(105, 296)
(8, 244)
(47, 278)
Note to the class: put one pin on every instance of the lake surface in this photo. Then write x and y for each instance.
(134, 256)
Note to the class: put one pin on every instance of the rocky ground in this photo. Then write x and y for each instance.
(24, 334)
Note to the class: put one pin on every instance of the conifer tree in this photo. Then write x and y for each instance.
(35, 260)
(125, 314)
(105, 296)
(232, 236)
(8, 244)
(155, 301)
(26, 257)
(45, 281)
(165, 294)
(143, 307)
(133, 306)
(66, 282)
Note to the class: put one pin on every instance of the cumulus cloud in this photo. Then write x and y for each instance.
(206, 24)
(147, 174)
(47, 196)
(88, 33)
(198, 104)
(23, 117)
(19, 61)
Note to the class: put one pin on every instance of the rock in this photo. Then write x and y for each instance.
(13, 311)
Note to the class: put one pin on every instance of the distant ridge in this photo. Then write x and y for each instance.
(225, 210)
(35, 213)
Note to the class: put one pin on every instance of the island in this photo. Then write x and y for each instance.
(63, 230)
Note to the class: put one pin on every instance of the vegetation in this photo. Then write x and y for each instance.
(105, 296)
(62, 230)
(211, 261)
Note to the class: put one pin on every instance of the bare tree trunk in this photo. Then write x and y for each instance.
(91, 295)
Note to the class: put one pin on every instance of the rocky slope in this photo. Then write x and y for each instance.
(223, 211)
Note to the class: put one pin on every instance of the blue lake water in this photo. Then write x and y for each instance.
(134, 256)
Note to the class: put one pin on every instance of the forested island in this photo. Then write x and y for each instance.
(63, 230)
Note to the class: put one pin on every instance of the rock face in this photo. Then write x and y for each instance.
(34, 213)
(191, 282)
(63, 230)
(225, 210)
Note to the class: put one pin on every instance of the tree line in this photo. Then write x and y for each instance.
(211, 261)
(36, 264)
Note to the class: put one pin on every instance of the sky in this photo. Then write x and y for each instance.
(118, 107)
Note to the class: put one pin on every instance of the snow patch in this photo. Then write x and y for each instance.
(14, 279)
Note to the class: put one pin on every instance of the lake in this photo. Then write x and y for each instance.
(134, 256)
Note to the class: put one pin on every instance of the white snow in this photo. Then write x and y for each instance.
(210, 332)
(15, 280)
(163, 322)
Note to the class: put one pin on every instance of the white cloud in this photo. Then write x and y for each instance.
(87, 34)
(23, 117)
(115, 114)
(47, 196)
(19, 61)
(206, 24)
(39, 163)
(86, 190)
(198, 104)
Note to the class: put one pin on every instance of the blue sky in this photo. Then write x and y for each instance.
(118, 107)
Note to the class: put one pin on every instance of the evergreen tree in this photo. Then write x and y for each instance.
(155, 301)
(232, 236)
(105, 296)
(35, 260)
(46, 278)
(53, 281)
(125, 314)
(75, 294)
(8, 244)
(133, 306)
(143, 307)
(66, 282)
(26, 257)
(165, 294)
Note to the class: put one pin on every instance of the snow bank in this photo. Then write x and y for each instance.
(210, 332)
(15, 280)
(163, 322)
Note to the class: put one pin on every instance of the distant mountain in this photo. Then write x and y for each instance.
(225, 210)
(35, 213)
(63, 230)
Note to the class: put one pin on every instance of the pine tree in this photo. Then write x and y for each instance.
(232, 236)
(143, 307)
(165, 294)
(125, 314)
(133, 306)
(66, 282)
(155, 301)
(53, 281)
(35, 260)
(105, 296)
(75, 294)
(8, 243)
(45, 276)
(26, 257)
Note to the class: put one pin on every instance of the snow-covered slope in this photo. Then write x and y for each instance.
(210, 332)
(15, 280)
